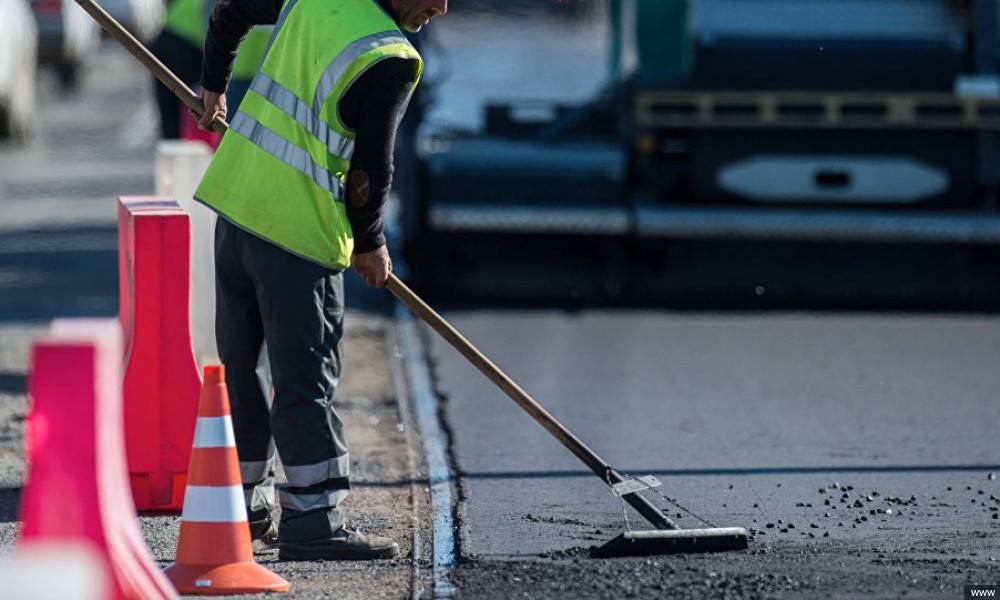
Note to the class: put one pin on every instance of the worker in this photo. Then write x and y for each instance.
(179, 47)
(300, 182)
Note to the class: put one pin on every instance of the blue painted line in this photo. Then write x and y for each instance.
(406, 417)
(425, 411)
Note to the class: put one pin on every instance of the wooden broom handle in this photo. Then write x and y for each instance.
(157, 68)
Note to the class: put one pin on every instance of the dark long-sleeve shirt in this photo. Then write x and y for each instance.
(372, 107)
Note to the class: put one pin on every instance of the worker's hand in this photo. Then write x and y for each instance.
(373, 267)
(215, 106)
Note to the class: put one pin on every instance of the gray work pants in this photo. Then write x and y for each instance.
(264, 292)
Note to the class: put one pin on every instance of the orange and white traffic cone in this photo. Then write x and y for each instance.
(214, 553)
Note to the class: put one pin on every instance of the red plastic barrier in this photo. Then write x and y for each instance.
(190, 131)
(161, 377)
(76, 495)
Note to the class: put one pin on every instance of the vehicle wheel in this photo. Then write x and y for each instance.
(69, 77)
(15, 126)
(6, 126)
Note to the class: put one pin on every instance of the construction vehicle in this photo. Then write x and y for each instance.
(726, 124)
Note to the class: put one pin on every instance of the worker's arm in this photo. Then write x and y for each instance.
(374, 106)
(227, 27)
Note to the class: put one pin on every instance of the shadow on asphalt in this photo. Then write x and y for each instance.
(11, 383)
(53, 273)
(10, 504)
(750, 471)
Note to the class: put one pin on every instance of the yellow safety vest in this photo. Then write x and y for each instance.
(280, 172)
(188, 19)
(251, 52)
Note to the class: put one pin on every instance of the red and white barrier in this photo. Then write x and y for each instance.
(190, 132)
(161, 377)
(60, 569)
(76, 507)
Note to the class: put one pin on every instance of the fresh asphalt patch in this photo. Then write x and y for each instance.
(792, 569)
(858, 450)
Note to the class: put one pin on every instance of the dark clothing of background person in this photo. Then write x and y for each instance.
(184, 59)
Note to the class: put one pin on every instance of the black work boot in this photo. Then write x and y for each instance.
(344, 544)
(264, 534)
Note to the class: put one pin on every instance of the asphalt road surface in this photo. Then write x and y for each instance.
(861, 450)
(804, 428)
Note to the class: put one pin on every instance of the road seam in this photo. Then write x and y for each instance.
(435, 445)
(406, 418)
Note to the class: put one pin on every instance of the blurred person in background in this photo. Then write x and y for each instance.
(179, 47)
(300, 182)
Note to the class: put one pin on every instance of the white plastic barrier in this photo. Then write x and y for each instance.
(180, 166)
(69, 570)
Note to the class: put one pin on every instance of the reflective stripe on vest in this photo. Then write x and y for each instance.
(308, 117)
(281, 171)
(287, 152)
(338, 67)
